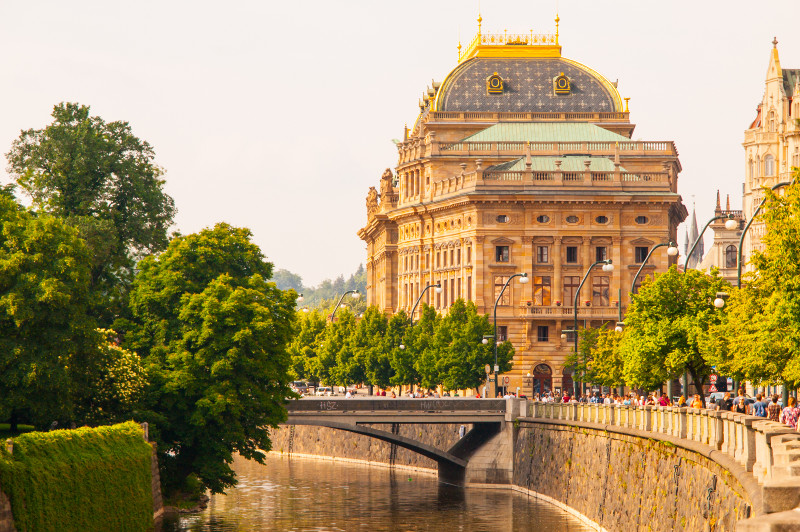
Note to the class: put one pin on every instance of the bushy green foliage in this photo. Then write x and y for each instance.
(83, 480)
(100, 178)
(438, 350)
(213, 334)
(668, 328)
(759, 340)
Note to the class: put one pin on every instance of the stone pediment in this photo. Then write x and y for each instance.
(502, 241)
(642, 242)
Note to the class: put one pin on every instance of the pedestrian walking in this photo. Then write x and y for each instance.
(789, 414)
(774, 409)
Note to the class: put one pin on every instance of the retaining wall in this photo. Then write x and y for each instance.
(323, 441)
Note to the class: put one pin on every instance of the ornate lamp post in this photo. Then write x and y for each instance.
(438, 290)
(523, 278)
(356, 295)
(607, 267)
(730, 225)
(672, 251)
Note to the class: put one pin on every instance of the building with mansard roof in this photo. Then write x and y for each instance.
(771, 143)
(521, 161)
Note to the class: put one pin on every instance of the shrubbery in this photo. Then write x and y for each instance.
(79, 480)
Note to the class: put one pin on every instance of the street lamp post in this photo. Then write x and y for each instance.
(608, 266)
(523, 278)
(438, 290)
(744, 232)
(672, 251)
(730, 225)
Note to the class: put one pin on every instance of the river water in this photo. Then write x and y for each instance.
(314, 495)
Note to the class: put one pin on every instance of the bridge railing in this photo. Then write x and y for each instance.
(453, 404)
(765, 448)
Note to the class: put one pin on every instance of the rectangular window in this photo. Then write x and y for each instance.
(469, 254)
(469, 288)
(541, 291)
(451, 258)
(571, 283)
(501, 254)
(600, 253)
(543, 333)
(542, 254)
(452, 291)
(437, 259)
(458, 284)
(499, 282)
(502, 333)
(600, 291)
(458, 256)
(444, 293)
(572, 254)
(640, 253)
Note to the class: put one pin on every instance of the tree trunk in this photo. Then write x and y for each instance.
(14, 422)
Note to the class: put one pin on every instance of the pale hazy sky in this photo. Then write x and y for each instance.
(279, 116)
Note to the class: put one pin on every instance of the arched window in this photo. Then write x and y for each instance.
(769, 165)
(730, 256)
(542, 379)
(750, 171)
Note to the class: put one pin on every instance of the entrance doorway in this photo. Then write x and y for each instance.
(542, 379)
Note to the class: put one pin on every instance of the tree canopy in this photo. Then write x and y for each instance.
(760, 337)
(667, 328)
(213, 334)
(103, 180)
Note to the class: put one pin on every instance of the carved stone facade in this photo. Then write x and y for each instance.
(771, 143)
(484, 194)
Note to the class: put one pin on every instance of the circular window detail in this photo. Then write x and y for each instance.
(601, 219)
(641, 220)
(572, 219)
(502, 219)
(542, 218)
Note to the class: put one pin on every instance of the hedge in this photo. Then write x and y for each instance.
(79, 480)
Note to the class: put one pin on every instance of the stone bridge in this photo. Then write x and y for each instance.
(489, 418)
(616, 467)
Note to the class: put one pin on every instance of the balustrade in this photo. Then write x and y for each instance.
(766, 448)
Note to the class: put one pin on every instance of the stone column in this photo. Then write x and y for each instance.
(557, 285)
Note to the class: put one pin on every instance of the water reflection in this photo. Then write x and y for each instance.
(306, 495)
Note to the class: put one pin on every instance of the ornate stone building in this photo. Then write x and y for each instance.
(521, 160)
(724, 250)
(771, 143)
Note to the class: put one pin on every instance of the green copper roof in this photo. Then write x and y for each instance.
(548, 164)
(545, 132)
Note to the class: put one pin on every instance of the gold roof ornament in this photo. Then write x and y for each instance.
(511, 44)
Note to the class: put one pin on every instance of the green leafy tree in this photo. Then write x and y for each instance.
(103, 180)
(304, 346)
(415, 339)
(47, 340)
(116, 386)
(462, 355)
(582, 361)
(213, 334)
(370, 346)
(668, 326)
(759, 340)
(607, 367)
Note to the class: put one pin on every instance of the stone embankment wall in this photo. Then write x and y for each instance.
(322, 441)
(624, 482)
(6, 519)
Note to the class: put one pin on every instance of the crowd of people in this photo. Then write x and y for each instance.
(762, 406)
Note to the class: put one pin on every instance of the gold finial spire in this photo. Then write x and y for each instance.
(459, 49)
(557, 21)
(480, 19)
